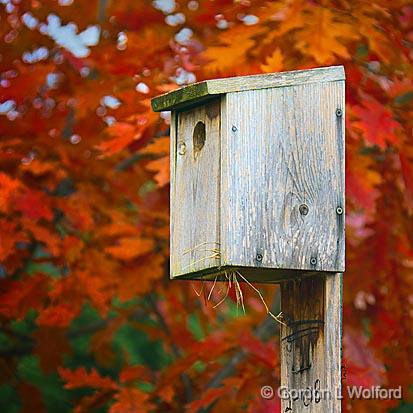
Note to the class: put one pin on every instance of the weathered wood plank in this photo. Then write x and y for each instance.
(198, 92)
(195, 190)
(282, 190)
(311, 345)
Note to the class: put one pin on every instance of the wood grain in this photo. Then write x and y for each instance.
(195, 191)
(198, 92)
(311, 344)
(282, 151)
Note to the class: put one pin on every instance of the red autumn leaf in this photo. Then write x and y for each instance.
(34, 205)
(130, 400)
(59, 315)
(132, 373)
(166, 393)
(8, 187)
(9, 236)
(376, 123)
(208, 397)
(123, 134)
(18, 297)
(265, 353)
(80, 377)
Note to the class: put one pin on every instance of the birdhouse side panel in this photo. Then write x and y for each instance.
(195, 190)
(282, 189)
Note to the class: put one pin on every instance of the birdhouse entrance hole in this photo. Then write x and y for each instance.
(199, 137)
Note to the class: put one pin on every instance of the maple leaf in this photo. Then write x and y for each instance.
(130, 400)
(130, 248)
(289, 16)
(208, 397)
(161, 167)
(150, 269)
(323, 35)
(362, 180)
(59, 315)
(265, 353)
(123, 134)
(235, 43)
(44, 235)
(8, 187)
(80, 377)
(274, 62)
(166, 393)
(133, 373)
(9, 236)
(34, 205)
(376, 123)
(160, 146)
(17, 297)
(369, 27)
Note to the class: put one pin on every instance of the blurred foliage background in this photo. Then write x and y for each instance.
(89, 319)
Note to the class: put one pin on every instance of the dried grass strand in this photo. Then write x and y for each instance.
(278, 317)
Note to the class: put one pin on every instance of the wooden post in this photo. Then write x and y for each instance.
(257, 189)
(311, 344)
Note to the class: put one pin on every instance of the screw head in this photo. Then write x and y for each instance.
(182, 148)
(303, 208)
(339, 113)
(313, 261)
(258, 257)
(234, 128)
(339, 210)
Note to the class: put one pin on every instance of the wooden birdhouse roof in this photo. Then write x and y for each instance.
(198, 92)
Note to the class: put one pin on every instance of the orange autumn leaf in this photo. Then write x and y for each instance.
(235, 42)
(37, 167)
(273, 62)
(323, 34)
(43, 235)
(161, 167)
(159, 146)
(130, 248)
(167, 393)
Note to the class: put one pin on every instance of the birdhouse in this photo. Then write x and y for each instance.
(257, 175)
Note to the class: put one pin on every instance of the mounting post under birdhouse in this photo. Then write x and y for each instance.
(257, 187)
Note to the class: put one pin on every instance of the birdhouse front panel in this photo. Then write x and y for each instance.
(195, 189)
(257, 175)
